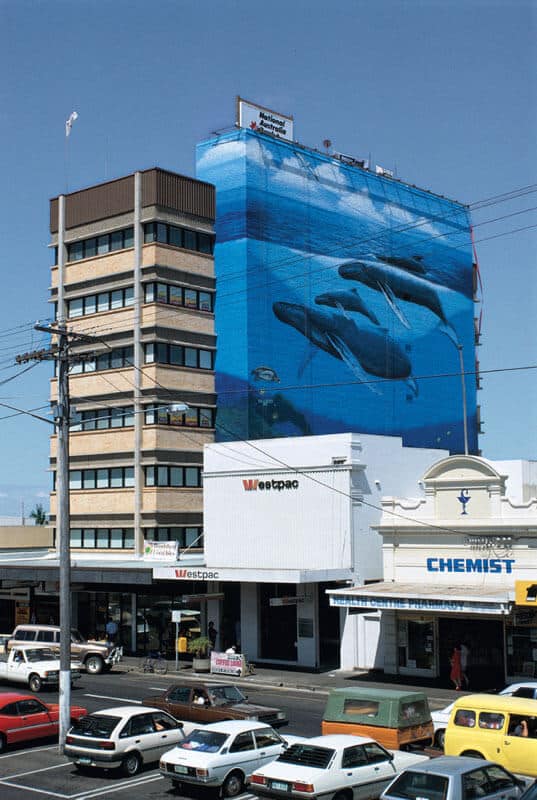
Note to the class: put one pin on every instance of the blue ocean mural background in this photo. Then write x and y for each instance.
(343, 298)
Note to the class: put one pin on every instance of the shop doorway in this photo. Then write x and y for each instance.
(278, 617)
(329, 629)
(484, 639)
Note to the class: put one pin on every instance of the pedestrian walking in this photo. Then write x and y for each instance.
(212, 633)
(465, 657)
(456, 671)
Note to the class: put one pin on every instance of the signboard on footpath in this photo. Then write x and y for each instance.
(228, 664)
(257, 118)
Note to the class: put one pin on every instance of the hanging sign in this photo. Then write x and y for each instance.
(161, 551)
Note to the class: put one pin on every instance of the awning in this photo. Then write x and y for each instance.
(393, 596)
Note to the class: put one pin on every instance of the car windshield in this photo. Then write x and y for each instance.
(76, 636)
(204, 741)
(40, 655)
(225, 695)
(99, 725)
(308, 755)
(422, 785)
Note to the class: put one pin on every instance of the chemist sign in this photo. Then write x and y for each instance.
(258, 118)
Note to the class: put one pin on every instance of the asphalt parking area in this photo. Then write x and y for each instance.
(42, 771)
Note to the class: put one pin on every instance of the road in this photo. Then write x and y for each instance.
(40, 772)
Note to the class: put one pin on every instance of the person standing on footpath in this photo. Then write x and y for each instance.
(465, 655)
(212, 633)
(111, 630)
(456, 671)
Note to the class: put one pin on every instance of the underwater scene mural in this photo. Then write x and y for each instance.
(344, 298)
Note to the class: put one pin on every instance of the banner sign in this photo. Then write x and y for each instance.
(264, 120)
(161, 551)
(227, 663)
(421, 604)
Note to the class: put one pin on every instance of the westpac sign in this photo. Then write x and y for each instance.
(254, 485)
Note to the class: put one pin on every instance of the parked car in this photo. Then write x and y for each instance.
(337, 765)
(213, 702)
(122, 737)
(223, 754)
(531, 792)
(394, 718)
(440, 717)
(449, 778)
(490, 726)
(24, 718)
(95, 656)
(36, 667)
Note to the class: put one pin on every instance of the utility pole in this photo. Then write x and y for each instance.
(60, 351)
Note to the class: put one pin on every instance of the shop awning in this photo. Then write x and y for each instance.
(393, 596)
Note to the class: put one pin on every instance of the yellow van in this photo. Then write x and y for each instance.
(502, 729)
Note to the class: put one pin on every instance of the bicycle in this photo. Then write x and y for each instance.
(154, 662)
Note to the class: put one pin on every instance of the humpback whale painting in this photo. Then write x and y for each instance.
(339, 292)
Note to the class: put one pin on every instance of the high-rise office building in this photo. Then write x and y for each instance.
(137, 277)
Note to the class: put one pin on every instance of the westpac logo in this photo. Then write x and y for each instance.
(253, 484)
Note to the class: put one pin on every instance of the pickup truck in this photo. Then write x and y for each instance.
(34, 666)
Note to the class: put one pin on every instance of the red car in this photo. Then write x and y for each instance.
(24, 718)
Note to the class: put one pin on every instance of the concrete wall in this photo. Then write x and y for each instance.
(19, 537)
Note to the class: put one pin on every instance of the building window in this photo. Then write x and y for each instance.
(102, 538)
(104, 301)
(177, 356)
(100, 245)
(104, 478)
(112, 359)
(192, 418)
(187, 537)
(178, 237)
(178, 296)
(173, 476)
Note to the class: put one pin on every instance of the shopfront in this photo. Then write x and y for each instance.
(452, 563)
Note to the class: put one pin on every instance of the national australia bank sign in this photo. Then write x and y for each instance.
(254, 485)
(257, 118)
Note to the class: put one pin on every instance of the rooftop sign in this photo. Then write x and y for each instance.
(258, 118)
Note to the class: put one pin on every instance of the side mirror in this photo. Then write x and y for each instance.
(180, 725)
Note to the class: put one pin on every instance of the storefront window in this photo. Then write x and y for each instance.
(521, 640)
(416, 643)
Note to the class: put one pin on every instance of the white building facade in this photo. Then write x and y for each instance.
(459, 566)
(284, 521)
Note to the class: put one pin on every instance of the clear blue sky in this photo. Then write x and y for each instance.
(444, 90)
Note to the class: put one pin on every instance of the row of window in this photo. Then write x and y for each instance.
(173, 235)
(187, 537)
(153, 293)
(103, 538)
(104, 301)
(178, 237)
(178, 296)
(123, 477)
(175, 477)
(104, 478)
(123, 417)
(175, 355)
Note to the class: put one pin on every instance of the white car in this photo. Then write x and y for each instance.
(332, 766)
(125, 736)
(223, 754)
(440, 718)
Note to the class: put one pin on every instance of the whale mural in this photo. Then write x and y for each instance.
(346, 301)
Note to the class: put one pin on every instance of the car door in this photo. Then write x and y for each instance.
(269, 745)
(243, 753)
(352, 773)
(139, 734)
(200, 711)
(380, 767)
(33, 721)
(168, 731)
(490, 782)
(178, 701)
(519, 753)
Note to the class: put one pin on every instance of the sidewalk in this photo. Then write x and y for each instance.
(322, 682)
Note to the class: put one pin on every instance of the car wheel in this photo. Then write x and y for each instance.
(82, 770)
(132, 764)
(472, 754)
(94, 665)
(2, 742)
(35, 683)
(177, 785)
(440, 739)
(341, 796)
(233, 785)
